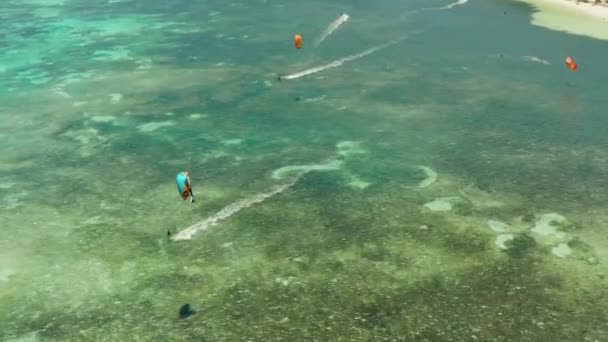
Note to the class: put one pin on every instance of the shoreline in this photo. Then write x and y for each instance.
(589, 8)
(582, 18)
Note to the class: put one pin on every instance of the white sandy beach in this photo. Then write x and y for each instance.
(588, 8)
(582, 18)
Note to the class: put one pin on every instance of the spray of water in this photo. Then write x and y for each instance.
(332, 28)
(292, 172)
(229, 210)
(446, 7)
(340, 61)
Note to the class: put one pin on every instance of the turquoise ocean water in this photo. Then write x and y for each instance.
(447, 187)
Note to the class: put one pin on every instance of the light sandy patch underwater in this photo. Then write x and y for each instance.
(153, 126)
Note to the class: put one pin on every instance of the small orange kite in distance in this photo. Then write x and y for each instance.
(571, 64)
(297, 41)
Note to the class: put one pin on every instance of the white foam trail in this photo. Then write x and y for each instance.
(536, 60)
(457, 3)
(524, 58)
(344, 149)
(339, 62)
(230, 210)
(235, 207)
(332, 27)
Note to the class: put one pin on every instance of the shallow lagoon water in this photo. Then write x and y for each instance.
(105, 102)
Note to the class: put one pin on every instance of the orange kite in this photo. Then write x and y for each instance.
(297, 41)
(571, 64)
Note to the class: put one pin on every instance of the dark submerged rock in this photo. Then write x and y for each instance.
(186, 311)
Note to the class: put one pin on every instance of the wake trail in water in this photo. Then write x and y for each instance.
(535, 60)
(446, 7)
(292, 172)
(230, 210)
(332, 28)
(506, 57)
(233, 208)
(340, 61)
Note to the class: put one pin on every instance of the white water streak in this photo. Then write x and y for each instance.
(344, 149)
(235, 207)
(446, 7)
(442, 8)
(339, 62)
(331, 28)
(535, 60)
(230, 210)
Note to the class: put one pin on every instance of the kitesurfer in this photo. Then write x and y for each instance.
(184, 186)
